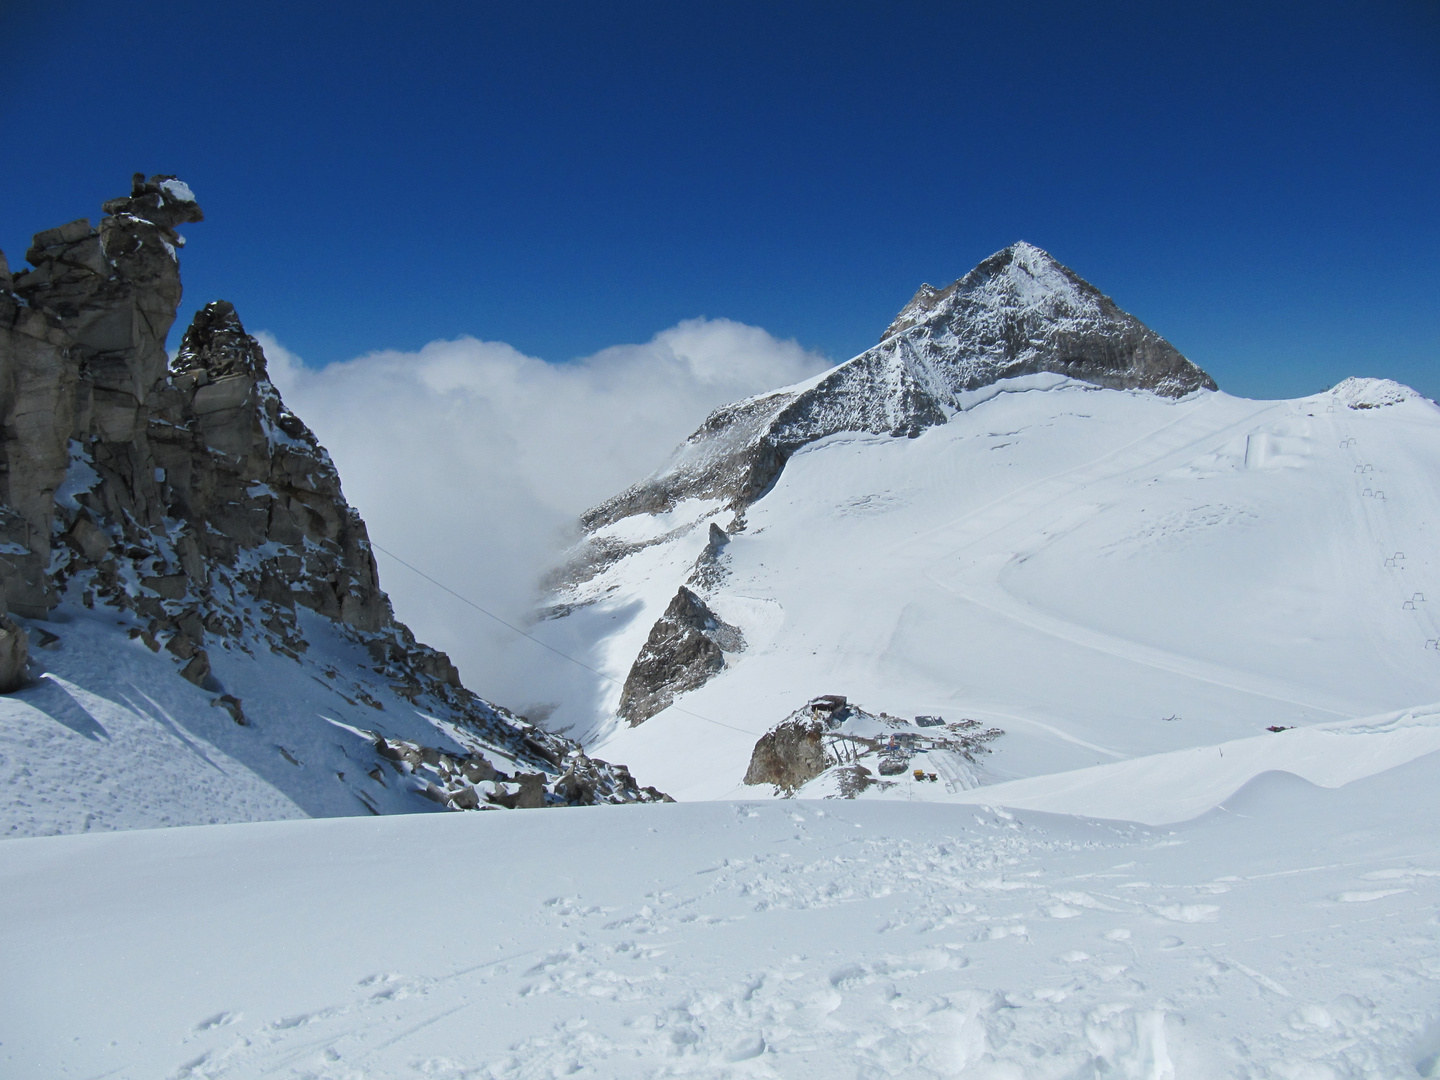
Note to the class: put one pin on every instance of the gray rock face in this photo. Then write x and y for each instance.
(685, 649)
(790, 754)
(187, 498)
(14, 655)
(82, 350)
(1018, 313)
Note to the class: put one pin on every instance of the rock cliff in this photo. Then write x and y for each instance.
(184, 497)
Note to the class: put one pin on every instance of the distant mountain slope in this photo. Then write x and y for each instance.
(1102, 573)
(167, 520)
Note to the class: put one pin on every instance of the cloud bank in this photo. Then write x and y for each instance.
(472, 461)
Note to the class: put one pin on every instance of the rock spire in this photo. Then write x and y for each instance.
(188, 499)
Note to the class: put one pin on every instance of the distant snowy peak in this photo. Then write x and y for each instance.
(1373, 393)
(1021, 274)
(1018, 313)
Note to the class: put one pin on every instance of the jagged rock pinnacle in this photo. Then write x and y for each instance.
(202, 513)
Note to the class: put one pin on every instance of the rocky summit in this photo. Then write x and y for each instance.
(1018, 313)
(185, 500)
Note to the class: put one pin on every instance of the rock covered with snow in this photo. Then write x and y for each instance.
(1358, 393)
(186, 500)
(831, 748)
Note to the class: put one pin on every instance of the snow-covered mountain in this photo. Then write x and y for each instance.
(1022, 508)
(1152, 655)
(212, 643)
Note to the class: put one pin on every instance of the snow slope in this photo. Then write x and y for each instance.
(1288, 934)
(107, 737)
(1105, 574)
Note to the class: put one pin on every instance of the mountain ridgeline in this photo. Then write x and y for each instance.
(1018, 313)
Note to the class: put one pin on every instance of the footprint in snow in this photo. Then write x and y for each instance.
(1362, 896)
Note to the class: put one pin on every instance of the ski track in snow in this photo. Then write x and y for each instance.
(1036, 515)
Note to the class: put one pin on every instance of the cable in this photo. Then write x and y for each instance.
(537, 641)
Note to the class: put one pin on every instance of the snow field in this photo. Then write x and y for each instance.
(110, 737)
(1291, 934)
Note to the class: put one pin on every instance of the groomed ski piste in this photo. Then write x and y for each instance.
(1149, 883)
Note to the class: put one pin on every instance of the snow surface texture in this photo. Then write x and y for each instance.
(1103, 574)
(1289, 934)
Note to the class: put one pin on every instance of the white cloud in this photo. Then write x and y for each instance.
(472, 461)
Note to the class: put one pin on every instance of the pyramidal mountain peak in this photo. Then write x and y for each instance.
(1022, 273)
(1018, 313)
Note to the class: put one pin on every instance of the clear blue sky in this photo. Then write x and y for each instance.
(1258, 182)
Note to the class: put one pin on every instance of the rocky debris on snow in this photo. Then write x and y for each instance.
(831, 738)
(1018, 313)
(187, 499)
(471, 781)
(686, 647)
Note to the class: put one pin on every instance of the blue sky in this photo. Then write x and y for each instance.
(1256, 182)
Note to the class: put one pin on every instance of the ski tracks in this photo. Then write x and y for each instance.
(966, 556)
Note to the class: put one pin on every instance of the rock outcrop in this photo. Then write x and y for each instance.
(186, 498)
(790, 754)
(831, 736)
(685, 649)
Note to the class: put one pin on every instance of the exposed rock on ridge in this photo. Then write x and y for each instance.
(186, 498)
(1018, 313)
(685, 649)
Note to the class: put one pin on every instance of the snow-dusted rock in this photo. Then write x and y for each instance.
(1359, 393)
(686, 646)
(831, 748)
(185, 502)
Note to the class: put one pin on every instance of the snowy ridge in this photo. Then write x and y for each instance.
(1163, 789)
(1373, 393)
